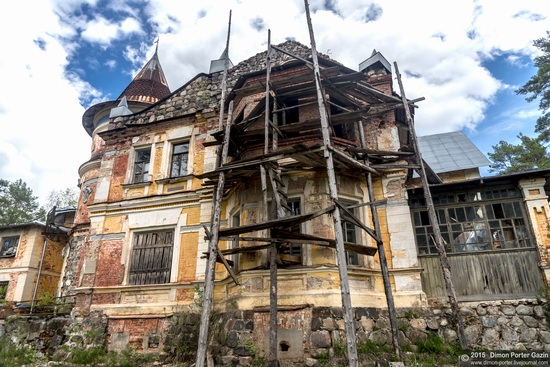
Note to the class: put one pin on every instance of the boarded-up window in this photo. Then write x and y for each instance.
(151, 257)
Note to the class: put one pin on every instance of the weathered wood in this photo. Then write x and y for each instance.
(353, 162)
(213, 250)
(382, 254)
(350, 217)
(440, 243)
(279, 222)
(478, 275)
(280, 212)
(333, 189)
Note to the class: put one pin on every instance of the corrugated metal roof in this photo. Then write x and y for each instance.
(451, 152)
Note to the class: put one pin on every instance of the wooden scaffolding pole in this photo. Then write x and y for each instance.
(273, 248)
(438, 238)
(213, 250)
(213, 236)
(381, 253)
(333, 189)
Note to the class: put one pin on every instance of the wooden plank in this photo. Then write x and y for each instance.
(484, 275)
(440, 243)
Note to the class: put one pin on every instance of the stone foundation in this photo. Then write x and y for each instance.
(304, 332)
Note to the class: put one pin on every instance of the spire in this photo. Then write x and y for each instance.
(149, 85)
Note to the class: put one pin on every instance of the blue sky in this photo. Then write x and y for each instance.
(465, 57)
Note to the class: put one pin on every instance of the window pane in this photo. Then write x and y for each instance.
(141, 165)
(180, 154)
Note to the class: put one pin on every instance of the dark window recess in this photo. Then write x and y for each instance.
(236, 222)
(351, 236)
(141, 165)
(151, 258)
(491, 219)
(180, 156)
(9, 246)
(344, 130)
(293, 248)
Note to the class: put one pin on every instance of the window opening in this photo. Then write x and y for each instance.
(9, 246)
(180, 156)
(3, 291)
(235, 222)
(351, 235)
(151, 260)
(141, 165)
(293, 248)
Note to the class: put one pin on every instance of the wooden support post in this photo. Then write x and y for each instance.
(382, 254)
(273, 249)
(338, 230)
(439, 242)
(221, 157)
(213, 250)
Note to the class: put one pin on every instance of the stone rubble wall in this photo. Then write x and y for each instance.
(496, 325)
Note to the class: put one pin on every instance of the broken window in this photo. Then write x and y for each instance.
(491, 219)
(151, 259)
(141, 165)
(9, 246)
(180, 156)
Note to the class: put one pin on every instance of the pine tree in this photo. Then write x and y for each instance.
(17, 204)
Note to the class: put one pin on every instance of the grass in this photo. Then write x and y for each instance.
(431, 352)
(13, 355)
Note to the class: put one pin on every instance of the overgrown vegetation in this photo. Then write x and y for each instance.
(430, 352)
(182, 337)
(12, 355)
(543, 296)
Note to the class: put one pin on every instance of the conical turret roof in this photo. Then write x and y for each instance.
(149, 85)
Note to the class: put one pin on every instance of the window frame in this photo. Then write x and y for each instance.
(182, 154)
(146, 173)
(6, 239)
(4, 286)
(294, 249)
(352, 257)
(235, 222)
(136, 265)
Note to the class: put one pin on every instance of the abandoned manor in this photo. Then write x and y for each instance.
(283, 202)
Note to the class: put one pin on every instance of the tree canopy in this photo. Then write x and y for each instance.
(17, 204)
(539, 86)
(62, 198)
(530, 153)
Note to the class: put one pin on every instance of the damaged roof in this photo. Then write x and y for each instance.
(452, 151)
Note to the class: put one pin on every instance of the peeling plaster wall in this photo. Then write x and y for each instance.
(536, 202)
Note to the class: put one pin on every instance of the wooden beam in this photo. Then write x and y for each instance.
(439, 241)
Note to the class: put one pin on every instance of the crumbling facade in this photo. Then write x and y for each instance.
(140, 242)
